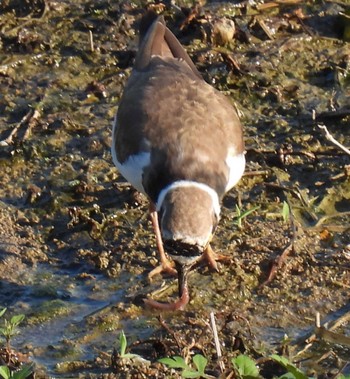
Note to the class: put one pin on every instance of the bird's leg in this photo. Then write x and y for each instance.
(184, 296)
(211, 257)
(166, 265)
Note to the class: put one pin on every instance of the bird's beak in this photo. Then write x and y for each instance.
(183, 271)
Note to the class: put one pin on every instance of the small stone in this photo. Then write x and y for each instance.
(223, 31)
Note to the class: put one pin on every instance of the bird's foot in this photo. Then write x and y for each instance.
(179, 304)
(212, 258)
(166, 266)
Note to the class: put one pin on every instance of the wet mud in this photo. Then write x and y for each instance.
(76, 243)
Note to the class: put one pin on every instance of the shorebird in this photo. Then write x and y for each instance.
(180, 142)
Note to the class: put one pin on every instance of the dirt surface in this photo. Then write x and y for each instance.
(75, 240)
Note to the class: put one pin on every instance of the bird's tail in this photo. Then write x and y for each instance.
(157, 40)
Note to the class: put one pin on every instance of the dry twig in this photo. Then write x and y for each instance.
(277, 263)
(322, 220)
(332, 139)
(31, 123)
(9, 140)
(91, 41)
(216, 341)
(257, 173)
(172, 332)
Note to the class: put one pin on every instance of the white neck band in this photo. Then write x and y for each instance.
(188, 183)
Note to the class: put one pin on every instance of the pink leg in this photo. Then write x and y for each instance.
(211, 257)
(166, 265)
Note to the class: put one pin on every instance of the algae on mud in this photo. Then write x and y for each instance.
(71, 231)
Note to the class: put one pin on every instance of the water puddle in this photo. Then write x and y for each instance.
(66, 316)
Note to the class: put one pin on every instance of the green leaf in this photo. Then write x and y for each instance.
(17, 319)
(130, 355)
(123, 343)
(3, 311)
(245, 366)
(249, 211)
(287, 375)
(289, 366)
(23, 373)
(175, 362)
(285, 211)
(200, 362)
(5, 372)
(190, 374)
(241, 215)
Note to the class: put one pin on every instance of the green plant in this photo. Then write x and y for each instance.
(245, 367)
(199, 361)
(9, 328)
(123, 345)
(241, 215)
(293, 371)
(285, 212)
(23, 373)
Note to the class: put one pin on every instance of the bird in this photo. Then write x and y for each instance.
(179, 141)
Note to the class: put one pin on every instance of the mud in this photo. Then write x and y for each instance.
(75, 240)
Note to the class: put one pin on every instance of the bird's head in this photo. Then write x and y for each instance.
(188, 215)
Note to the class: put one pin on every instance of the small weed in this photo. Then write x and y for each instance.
(199, 361)
(293, 371)
(23, 373)
(9, 328)
(123, 345)
(242, 215)
(285, 212)
(245, 367)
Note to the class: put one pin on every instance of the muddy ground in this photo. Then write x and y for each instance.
(75, 239)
